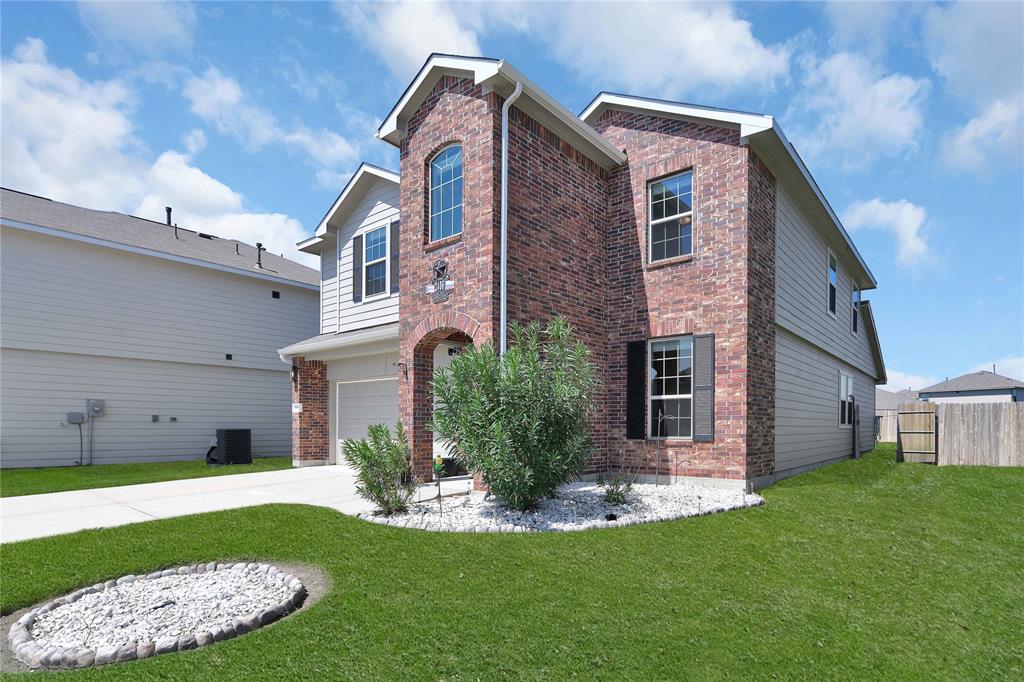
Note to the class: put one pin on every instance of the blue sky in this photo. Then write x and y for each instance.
(249, 117)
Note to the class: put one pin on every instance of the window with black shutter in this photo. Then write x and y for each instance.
(394, 257)
(357, 268)
(636, 388)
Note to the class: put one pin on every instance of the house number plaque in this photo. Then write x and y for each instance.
(440, 284)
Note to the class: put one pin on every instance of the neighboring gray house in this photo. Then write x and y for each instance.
(888, 401)
(175, 330)
(976, 387)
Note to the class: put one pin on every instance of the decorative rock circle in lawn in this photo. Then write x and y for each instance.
(135, 617)
(574, 506)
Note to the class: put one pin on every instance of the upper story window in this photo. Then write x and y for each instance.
(446, 193)
(670, 217)
(856, 308)
(845, 399)
(375, 263)
(671, 388)
(833, 281)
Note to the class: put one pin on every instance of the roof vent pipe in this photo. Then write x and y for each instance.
(259, 255)
(168, 209)
(503, 334)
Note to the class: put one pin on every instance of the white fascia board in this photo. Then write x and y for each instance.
(348, 341)
(482, 69)
(748, 123)
(311, 245)
(153, 253)
(488, 72)
(363, 173)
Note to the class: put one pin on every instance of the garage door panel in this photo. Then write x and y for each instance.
(361, 404)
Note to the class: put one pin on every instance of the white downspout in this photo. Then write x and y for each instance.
(503, 327)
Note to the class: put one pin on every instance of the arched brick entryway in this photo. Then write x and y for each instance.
(415, 398)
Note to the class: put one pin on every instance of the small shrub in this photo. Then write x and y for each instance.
(382, 464)
(617, 489)
(520, 421)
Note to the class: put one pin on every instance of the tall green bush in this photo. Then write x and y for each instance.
(383, 467)
(521, 421)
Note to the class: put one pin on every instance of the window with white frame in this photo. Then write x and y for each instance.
(375, 261)
(833, 281)
(670, 217)
(845, 399)
(670, 393)
(446, 193)
(856, 308)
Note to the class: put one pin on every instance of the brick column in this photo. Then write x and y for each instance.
(311, 427)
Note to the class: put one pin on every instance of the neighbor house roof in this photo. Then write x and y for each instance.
(19, 210)
(975, 381)
(501, 77)
(355, 189)
(764, 135)
(887, 400)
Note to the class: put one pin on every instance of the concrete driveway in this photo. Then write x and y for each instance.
(36, 516)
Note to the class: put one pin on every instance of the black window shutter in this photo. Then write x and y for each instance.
(636, 388)
(357, 268)
(704, 387)
(394, 257)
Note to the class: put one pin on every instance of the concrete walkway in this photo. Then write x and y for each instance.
(35, 516)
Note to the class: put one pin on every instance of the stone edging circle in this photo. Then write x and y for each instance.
(32, 654)
(402, 521)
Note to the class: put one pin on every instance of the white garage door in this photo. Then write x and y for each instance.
(362, 403)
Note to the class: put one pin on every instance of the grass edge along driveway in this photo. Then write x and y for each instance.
(864, 569)
(15, 482)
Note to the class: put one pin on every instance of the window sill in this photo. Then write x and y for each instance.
(443, 242)
(378, 297)
(668, 261)
(670, 441)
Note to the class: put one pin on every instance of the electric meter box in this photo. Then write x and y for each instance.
(95, 407)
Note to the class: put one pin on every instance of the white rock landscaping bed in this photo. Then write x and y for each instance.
(575, 506)
(135, 617)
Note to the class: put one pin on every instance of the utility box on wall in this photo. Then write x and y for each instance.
(96, 407)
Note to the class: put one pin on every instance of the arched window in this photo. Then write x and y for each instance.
(446, 193)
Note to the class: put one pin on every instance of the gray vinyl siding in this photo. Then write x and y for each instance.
(339, 313)
(68, 297)
(40, 387)
(807, 430)
(147, 335)
(801, 299)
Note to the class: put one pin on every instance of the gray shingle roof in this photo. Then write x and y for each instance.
(975, 381)
(147, 234)
(887, 400)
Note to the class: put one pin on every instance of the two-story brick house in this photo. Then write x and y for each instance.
(717, 291)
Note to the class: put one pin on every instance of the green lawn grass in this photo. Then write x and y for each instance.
(56, 479)
(862, 570)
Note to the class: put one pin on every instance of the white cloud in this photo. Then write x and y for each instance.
(652, 48)
(902, 218)
(194, 141)
(404, 34)
(863, 26)
(72, 140)
(147, 28)
(219, 100)
(977, 49)
(859, 112)
(1009, 366)
(991, 136)
(902, 381)
(661, 50)
(66, 136)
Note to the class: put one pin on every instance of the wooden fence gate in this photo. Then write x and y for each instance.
(916, 433)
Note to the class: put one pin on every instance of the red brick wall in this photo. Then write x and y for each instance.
(456, 111)
(706, 293)
(311, 439)
(557, 249)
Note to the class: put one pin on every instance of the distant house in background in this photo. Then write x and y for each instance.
(889, 401)
(175, 331)
(976, 387)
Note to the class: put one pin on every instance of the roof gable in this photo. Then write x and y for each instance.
(764, 135)
(501, 77)
(365, 177)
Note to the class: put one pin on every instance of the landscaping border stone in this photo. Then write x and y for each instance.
(36, 656)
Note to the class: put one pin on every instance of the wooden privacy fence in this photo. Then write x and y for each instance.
(885, 428)
(980, 434)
